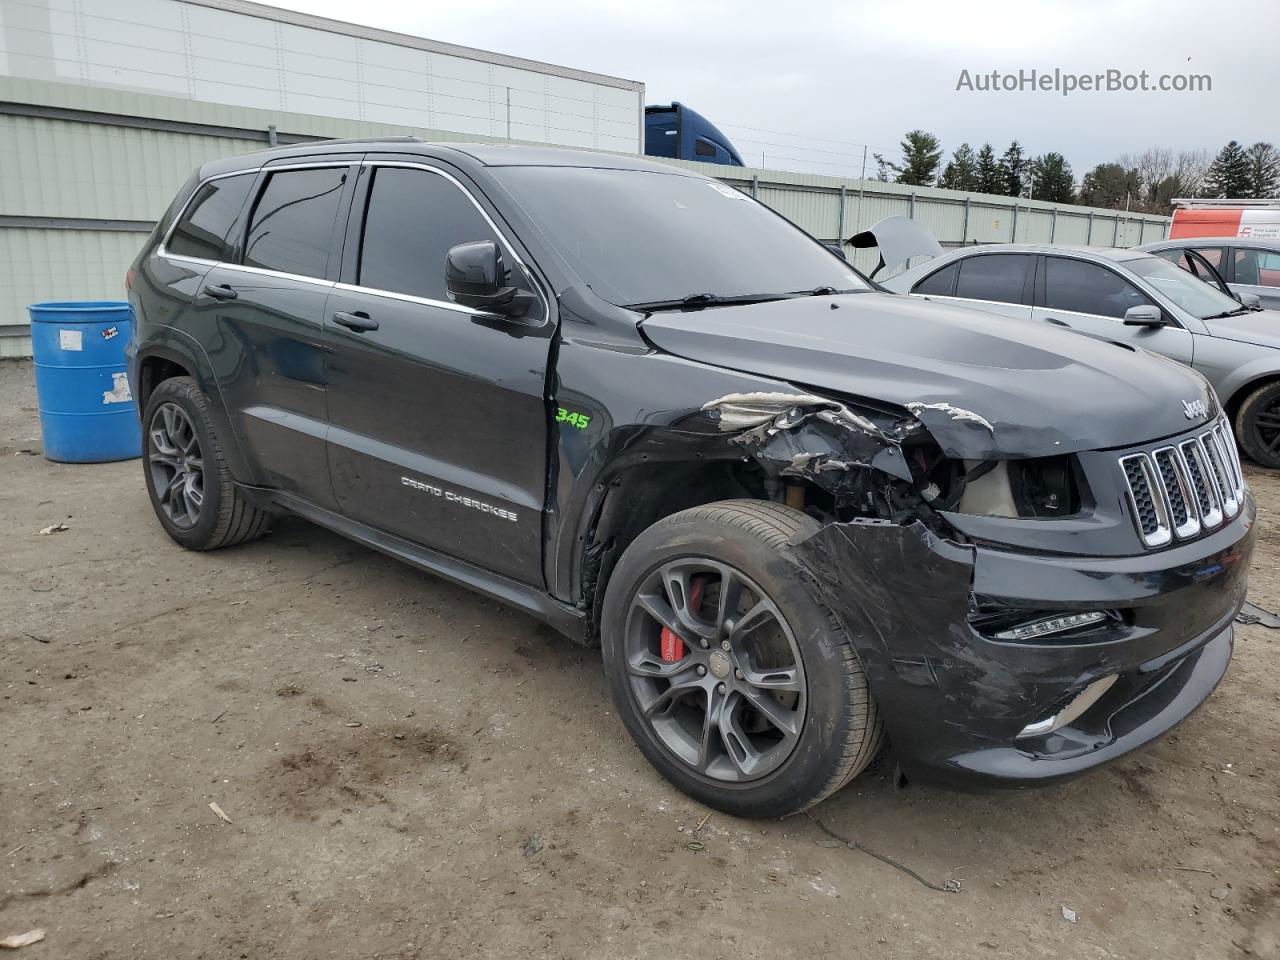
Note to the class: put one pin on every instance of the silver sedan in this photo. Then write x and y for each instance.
(1130, 297)
(1248, 265)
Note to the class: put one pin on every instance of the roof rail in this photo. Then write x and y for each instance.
(1188, 203)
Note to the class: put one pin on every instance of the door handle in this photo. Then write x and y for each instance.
(359, 322)
(1057, 322)
(222, 291)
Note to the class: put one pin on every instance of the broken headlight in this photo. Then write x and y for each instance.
(1043, 487)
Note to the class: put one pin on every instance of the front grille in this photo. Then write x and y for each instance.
(1182, 490)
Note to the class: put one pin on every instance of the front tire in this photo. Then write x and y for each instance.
(191, 488)
(761, 708)
(1258, 425)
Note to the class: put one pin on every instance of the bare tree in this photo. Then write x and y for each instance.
(1190, 170)
(1163, 175)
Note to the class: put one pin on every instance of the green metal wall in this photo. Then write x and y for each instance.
(83, 179)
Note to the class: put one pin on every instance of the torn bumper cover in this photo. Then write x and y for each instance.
(958, 704)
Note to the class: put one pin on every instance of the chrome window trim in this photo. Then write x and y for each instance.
(262, 272)
(410, 298)
(163, 249)
(502, 237)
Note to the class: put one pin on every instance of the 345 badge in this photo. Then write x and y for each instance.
(572, 418)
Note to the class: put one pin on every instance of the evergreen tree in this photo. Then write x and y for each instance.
(1110, 185)
(1264, 171)
(988, 171)
(921, 154)
(1229, 174)
(1013, 170)
(961, 172)
(1051, 179)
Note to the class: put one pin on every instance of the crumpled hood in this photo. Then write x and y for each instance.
(1261, 327)
(985, 386)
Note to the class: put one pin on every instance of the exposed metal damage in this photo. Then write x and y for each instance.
(860, 457)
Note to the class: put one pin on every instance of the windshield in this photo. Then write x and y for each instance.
(1190, 293)
(646, 238)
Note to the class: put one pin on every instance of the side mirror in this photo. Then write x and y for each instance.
(476, 276)
(1146, 315)
(1250, 300)
(837, 249)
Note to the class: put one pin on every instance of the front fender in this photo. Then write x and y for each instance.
(1240, 379)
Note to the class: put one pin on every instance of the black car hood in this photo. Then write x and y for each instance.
(985, 386)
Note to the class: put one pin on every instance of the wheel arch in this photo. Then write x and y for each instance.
(1240, 392)
(636, 493)
(173, 353)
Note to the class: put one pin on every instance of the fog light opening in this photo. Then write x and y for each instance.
(1085, 699)
(1047, 626)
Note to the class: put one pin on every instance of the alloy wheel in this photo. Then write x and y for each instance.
(1266, 426)
(715, 669)
(176, 464)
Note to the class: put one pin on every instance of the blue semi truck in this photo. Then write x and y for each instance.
(674, 130)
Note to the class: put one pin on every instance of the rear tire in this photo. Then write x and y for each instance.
(1258, 425)
(191, 488)
(817, 726)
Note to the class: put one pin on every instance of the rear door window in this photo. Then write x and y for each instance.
(1258, 267)
(292, 224)
(1000, 277)
(1081, 287)
(412, 219)
(206, 222)
(940, 283)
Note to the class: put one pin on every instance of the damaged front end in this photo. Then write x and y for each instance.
(1012, 628)
(863, 460)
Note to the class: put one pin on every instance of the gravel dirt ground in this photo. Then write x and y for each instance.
(411, 771)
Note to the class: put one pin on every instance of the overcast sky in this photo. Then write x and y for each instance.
(809, 83)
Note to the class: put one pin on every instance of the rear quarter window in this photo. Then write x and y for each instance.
(205, 226)
(941, 283)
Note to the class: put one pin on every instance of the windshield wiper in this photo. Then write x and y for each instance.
(1228, 313)
(697, 301)
(822, 292)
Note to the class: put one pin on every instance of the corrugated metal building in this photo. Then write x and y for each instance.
(106, 109)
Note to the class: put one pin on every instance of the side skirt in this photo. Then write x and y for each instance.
(537, 603)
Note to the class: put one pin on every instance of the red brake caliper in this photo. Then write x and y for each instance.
(672, 645)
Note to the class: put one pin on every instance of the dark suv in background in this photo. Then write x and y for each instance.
(797, 513)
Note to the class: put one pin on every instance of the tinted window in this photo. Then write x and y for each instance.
(704, 148)
(1258, 267)
(413, 218)
(993, 276)
(1195, 296)
(1185, 259)
(939, 284)
(1088, 288)
(205, 224)
(667, 236)
(292, 223)
(1212, 254)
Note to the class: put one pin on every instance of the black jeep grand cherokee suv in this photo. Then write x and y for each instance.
(799, 514)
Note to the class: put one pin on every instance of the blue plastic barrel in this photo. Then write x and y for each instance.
(87, 413)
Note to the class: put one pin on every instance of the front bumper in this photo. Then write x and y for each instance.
(954, 701)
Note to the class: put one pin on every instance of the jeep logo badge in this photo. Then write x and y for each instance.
(1193, 409)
